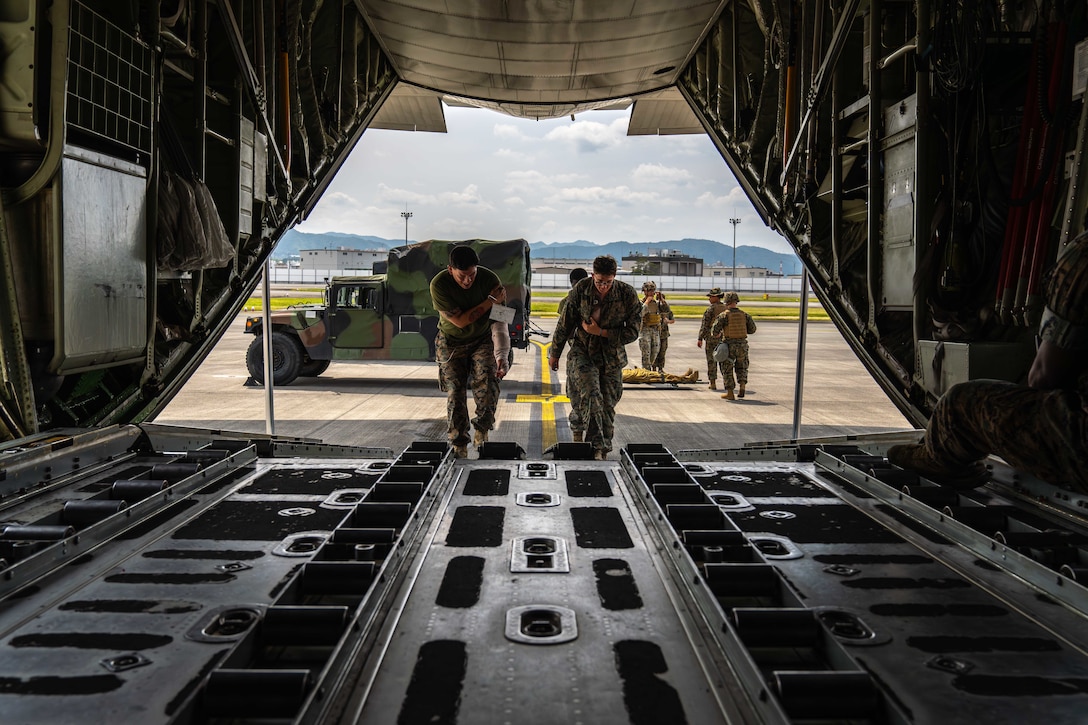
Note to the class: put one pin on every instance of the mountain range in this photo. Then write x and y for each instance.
(712, 253)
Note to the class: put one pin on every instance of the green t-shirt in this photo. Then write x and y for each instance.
(447, 295)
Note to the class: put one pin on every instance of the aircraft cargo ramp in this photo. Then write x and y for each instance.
(179, 578)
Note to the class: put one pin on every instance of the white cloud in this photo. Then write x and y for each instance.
(507, 130)
(469, 196)
(652, 174)
(622, 195)
(553, 180)
(734, 198)
(512, 155)
(591, 136)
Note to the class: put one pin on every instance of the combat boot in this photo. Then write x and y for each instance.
(728, 395)
(577, 435)
(740, 393)
(916, 457)
(600, 455)
(460, 451)
(479, 438)
(713, 384)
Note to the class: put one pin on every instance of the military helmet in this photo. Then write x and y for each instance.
(731, 297)
(648, 286)
(1065, 320)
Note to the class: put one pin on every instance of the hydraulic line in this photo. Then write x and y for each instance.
(1017, 222)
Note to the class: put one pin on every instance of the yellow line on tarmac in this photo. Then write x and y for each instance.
(547, 400)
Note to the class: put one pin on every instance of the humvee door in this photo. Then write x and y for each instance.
(355, 315)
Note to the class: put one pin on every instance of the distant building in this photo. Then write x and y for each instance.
(342, 259)
(742, 272)
(666, 263)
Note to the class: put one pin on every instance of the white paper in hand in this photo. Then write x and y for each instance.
(502, 313)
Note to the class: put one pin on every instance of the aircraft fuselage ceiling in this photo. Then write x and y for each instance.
(923, 158)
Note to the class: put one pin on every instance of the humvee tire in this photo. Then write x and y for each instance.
(313, 368)
(286, 358)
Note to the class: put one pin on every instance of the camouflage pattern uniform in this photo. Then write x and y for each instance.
(733, 327)
(466, 358)
(649, 341)
(595, 363)
(710, 341)
(1044, 432)
(659, 364)
(1041, 431)
(574, 418)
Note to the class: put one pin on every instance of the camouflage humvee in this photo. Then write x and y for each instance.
(383, 316)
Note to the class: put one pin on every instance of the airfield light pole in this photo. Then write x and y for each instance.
(407, 215)
(734, 221)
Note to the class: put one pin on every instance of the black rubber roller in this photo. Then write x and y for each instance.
(1076, 573)
(303, 626)
(174, 472)
(85, 513)
(136, 490)
(827, 695)
(253, 694)
(347, 535)
(337, 577)
(935, 496)
(36, 532)
(742, 580)
(777, 627)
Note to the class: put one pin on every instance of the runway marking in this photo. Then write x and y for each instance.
(547, 400)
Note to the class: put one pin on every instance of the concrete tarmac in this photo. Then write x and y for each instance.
(392, 404)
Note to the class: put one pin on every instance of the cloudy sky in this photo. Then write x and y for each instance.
(496, 177)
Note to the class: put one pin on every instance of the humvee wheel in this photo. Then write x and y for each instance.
(286, 358)
(313, 368)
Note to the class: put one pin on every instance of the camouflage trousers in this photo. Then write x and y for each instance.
(659, 363)
(1042, 432)
(738, 353)
(574, 418)
(649, 343)
(712, 365)
(597, 374)
(463, 366)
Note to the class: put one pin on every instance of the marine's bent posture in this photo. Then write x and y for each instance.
(574, 419)
(601, 316)
(463, 294)
(1041, 427)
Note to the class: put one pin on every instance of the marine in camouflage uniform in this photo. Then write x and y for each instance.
(666, 320)
(733, 326)
(653, 310)
(1040, 428)
(710, 314)
(574, 418)
(464, 347)
(598, 321)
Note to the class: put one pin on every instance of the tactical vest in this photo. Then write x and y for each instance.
(652, 318)
(737, 327)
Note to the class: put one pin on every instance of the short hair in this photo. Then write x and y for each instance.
(604, 264)
(577, 275)
(463, 257)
